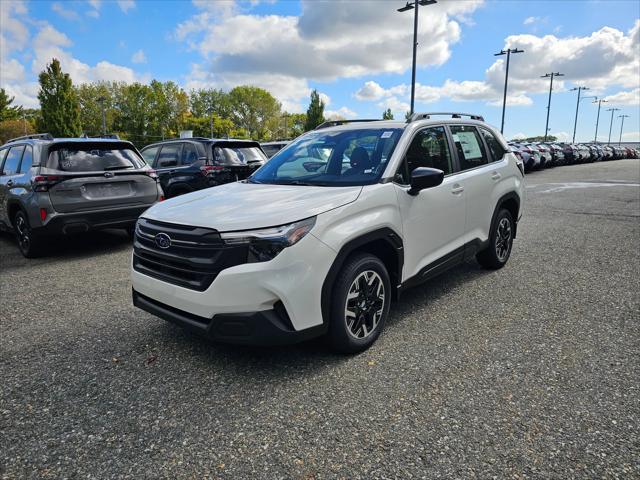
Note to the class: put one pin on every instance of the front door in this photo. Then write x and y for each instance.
(433, 220)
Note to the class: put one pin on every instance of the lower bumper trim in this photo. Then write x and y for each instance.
(265, 328)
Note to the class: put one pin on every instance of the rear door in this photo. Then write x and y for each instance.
(483, 165)
(8, 176)
(3, 189)
(96, 175)
(167, 163)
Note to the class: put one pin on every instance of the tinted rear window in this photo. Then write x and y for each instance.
(237, 155)
(92, 158)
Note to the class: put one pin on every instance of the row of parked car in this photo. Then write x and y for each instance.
(553, 154)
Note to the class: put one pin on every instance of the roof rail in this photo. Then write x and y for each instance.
(112, 136)
(35, 136)
(335, 123)
(427, 115)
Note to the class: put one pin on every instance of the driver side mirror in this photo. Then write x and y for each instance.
(424, 177)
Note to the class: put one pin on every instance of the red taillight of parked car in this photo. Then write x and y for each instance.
(210, 169)
(43, 214)
(42, 183)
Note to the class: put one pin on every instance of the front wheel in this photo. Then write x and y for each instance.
(500, 242)
(29, 243)
(360, 304)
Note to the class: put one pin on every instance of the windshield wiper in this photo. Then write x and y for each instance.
(117, 168)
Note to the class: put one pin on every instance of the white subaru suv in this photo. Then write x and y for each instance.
(325, 235)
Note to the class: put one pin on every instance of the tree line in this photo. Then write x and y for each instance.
(146, 113)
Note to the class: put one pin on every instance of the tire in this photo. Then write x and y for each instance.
(29, 243)
(352, 336)
(497, 254)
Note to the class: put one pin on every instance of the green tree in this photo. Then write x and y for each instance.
(14, 128)
(206, 102)
(387, 114)
(315, 112)
(7, 112)
(91, 96)
(254, 110)
(295, 124)
(58, 102)
(131, 118)
(222, 127)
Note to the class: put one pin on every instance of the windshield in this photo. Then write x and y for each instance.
(238, 155)
(333, 158)
(92, 158)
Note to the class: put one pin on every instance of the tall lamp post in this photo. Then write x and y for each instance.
(415, 5)
(612, 110)
(104, 116)
(575, 123)
(549, 75)
(600, 102)
(621, 125)
(508, 53)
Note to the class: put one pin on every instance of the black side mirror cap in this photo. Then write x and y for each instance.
(424, 177)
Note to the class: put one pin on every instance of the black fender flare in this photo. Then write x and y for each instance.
(382, 234)
(501, 201)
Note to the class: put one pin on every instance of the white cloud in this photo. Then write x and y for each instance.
(562, 136)
(126, 5)
(14, 34)
(631, 97)
(95, 4)
(398, 107)
(325, 98)
(65, 13)
(530, 20)
(323, 44)
(342, 112)
(631, 137)
(519, 136)
(93, 14)
(139, 57)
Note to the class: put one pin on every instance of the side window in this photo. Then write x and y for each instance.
(169, 156)
(469, 146)
(3, 153)
(497, 151)
(429, 148)
(12, 161)
(27, 159)
(189, 154)
(149, 154)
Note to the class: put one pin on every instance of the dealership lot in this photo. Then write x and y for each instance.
(528, 371)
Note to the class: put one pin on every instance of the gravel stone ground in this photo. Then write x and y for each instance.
(528, 372)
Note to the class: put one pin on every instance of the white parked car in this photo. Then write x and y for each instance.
(324, 236)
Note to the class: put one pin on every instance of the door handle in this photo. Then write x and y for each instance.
(457, 189)
(9, 183)
(496, 176)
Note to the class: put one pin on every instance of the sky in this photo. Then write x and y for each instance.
(357, 54)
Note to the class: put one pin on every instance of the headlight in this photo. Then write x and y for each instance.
(265, 244)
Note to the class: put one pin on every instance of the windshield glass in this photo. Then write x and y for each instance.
(237, 155)
(92, 158)
(343, 157)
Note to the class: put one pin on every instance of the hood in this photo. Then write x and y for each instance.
(244, 206)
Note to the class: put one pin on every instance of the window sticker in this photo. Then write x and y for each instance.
(469, 144)
(386, 134)
(455, 137)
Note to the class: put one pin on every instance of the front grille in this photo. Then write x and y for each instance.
(193, 260)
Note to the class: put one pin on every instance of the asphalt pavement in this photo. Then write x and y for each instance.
(532, 371)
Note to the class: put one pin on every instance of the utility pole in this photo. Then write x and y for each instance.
(409, 6)
(612, 110)
(507, 52)
(549, 75)
(104, 116)
(621, 126)
(600, 102)
(211, 125)
(575, 123)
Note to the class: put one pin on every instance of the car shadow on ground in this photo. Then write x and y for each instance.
(316, 353)
(62, 248)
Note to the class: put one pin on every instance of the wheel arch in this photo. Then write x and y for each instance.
(384, 243)
(511, 202)
(13, 206)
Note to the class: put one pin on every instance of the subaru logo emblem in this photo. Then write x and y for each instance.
(163, 240)
(108, 174)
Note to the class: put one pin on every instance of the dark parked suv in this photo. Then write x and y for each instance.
(70, 185)
(188, 164)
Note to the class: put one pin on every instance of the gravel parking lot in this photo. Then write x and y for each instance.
(531, 371)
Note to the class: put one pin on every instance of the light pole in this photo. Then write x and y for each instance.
(415, 6)
(612, 110)
(508, 53)
(549, 75)
(104, 116)
(575, 123)
(621, 125)
(600, 102)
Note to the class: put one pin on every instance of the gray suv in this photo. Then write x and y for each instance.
(64, 186)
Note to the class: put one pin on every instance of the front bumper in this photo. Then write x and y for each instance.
(294, 279)
(269, 327)
(78, 222)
